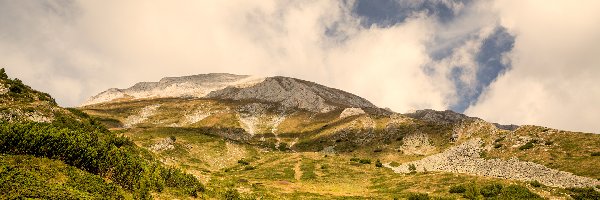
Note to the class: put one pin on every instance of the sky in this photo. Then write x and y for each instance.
(506, 61)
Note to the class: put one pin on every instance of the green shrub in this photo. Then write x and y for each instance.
(583, 193)
(471, 191)
(249, 167)
(596, 153)
(491, 190)
(548, 142)
(378, 163)
(412, 168)
(528, 145)
(535, 183)
(231, 194)
(283, 146)
(365, 161)
(87, 145)
(517, 192)
(498, 145)
(243, 162)
(457, 189)
(394, 164)
(355, 159)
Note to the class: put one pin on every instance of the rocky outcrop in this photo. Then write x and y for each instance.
(294, 93)
(465, 158)
(3, 89)
(351, 112)
(165, 144)
(142, 116)
(439, 117)
(186, 86)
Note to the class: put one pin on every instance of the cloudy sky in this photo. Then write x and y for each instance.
(507, 61)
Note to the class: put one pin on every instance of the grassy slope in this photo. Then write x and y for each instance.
(202, 151)
(297, 175)
(31, 177)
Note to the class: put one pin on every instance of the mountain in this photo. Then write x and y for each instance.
(289, 92)
(280, 137)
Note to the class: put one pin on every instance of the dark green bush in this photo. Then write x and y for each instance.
(249, 167)
(231, 194)
(243, 162)
(528, 145)
(595, 154)
(471, 191)
(498, 145)
(378, 163)
(584, 193)
(535, 183)
(517, 192)
(412, 168)
(365, 161)
(87, 145)
(457, 189)
(491, 190)
(355, 159)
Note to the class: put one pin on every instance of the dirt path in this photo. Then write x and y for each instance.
(297, 170)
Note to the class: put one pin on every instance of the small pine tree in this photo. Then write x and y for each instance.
(3, 74)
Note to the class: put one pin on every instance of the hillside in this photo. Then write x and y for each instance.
(287, 138)
(49, 152)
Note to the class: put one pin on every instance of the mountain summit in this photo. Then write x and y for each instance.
(289, 92)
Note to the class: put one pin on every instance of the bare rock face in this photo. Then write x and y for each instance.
(439, 117)
(294, 93)
(465, 158)
(186, 86)
(3, 89)
(351, 112)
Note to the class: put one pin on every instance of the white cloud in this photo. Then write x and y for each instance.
(75, 49)
(115, 44)
(554, 80)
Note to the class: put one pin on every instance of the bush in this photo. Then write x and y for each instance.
(355, 159)
(498, 145)
(87, 145)
(243, 162)
(365, 161)
(457, 189)
(231, 194)
(596, 153)
(528, 145)
(394, 164)
(517, 192)
(378, 163)
(583, 193)
(535, 183)
(471, 191)
(412, 168)
(249, 167)
(283, 146)
(548, 142)
(491, 190)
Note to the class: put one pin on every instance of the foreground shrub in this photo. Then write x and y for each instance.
(457, 189)
(584, 193)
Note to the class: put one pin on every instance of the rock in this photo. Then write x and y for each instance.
(165, 144)
(351, 112)
(142, 116)
(465, 158)
(186, 86)
(440, 117)
(3, 89)
(294, 93)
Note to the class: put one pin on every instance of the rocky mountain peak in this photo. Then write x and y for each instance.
(294, 93)
(289, 92)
